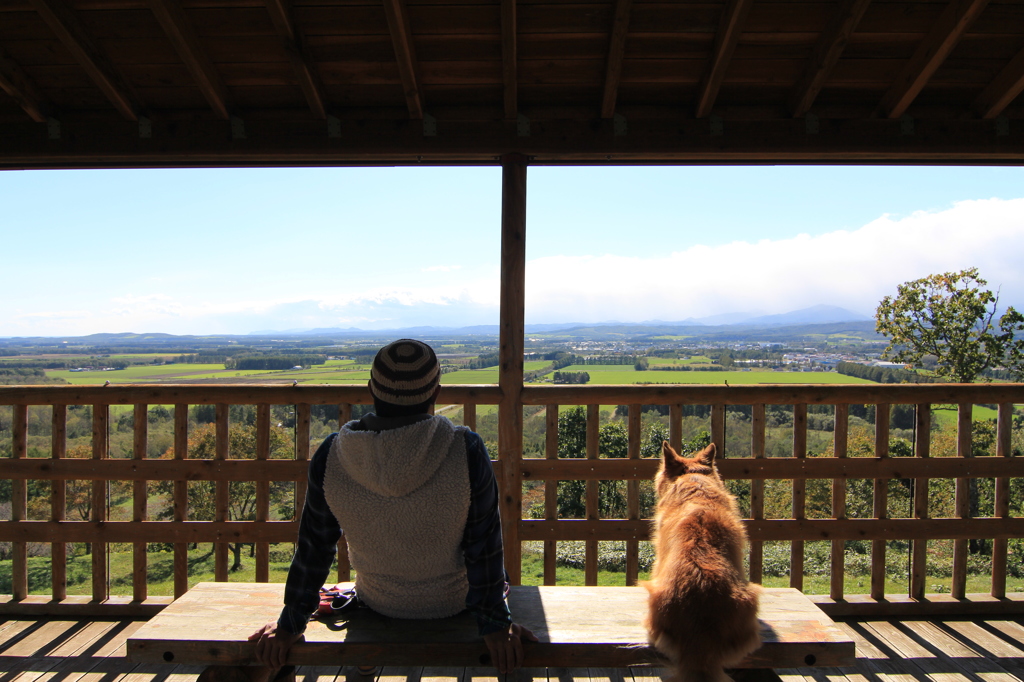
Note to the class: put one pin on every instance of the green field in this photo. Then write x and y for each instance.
(348, 372)
(625, 374)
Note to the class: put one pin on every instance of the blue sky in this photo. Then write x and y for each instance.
(236, 250)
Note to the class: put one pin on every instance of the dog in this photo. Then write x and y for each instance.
(702, 612)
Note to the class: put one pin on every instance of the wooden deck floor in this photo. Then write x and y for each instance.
(934, 650)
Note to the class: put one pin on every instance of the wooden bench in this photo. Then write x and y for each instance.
(577, 627)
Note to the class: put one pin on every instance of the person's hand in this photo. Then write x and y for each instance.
(272, 645)
(506, 648)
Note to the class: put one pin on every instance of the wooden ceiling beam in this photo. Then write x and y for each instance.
(729, 28)
(69, 30)
(930, 54)
(295, 46)
(16, 83)
(616, 53)
(1002, 90)
(183, 37)
(405, 55)
(198, 142)
(826, 54)
(510, 58)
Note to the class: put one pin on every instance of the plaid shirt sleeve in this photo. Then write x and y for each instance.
(481, 544)
(314, 551)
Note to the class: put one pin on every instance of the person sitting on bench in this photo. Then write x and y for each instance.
(418, 502)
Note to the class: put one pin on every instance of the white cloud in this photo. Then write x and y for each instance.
(852, 269)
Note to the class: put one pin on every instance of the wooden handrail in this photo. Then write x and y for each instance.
(798, 468)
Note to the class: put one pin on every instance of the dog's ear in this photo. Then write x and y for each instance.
(707, 455)
(672, 462)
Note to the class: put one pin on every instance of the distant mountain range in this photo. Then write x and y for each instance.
(819, 314)
(807, 323)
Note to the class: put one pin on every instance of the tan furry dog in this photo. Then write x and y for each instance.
(702, 612)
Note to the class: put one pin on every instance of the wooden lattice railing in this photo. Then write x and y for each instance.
(750, 464)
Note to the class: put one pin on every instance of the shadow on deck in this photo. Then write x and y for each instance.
(933, 650)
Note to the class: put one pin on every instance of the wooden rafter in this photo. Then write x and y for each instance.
(69, 30)
(183, 37)
(509, 59)
(16, 83)
(729, 28)
(826, 53)
(303, 64)
(405, 55)
(616, 52)
(930, 54)
(1003, 90)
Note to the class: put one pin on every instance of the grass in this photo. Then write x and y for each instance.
(946, 415)
(533, 574)
(201, 569)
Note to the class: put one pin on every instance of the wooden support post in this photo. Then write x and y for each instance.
(757, 421)
(302, 412)
(880, 501)
(633, 495)
(675, 427)
(510, 354)
(718, 429)
(840, 432)
(469, 416)
(965, 413)
(922, 449)
(140, 432)
(100, 445)
(19, 503)
(1004, 428)
(262, 491)
(796, 552)
(180, 499)
(593, 495)
(550, 492)
(58, 502)
(222, 492)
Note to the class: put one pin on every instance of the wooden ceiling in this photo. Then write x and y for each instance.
(131, 83)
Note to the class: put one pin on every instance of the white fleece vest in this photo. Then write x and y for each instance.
(402, 498)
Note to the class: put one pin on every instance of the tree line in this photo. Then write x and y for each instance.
(269, 362)
(884, 375)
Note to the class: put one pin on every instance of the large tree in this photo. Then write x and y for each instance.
(953, 317)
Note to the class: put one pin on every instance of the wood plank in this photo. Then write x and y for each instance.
(190, 49)
(63, 21)
(71, 655)
(510, 58)
(405, 55)
(250, 394)
(783, 468)
(930, 54)
(17, 84)
(527, 529)
(729, 29)
(1003, 89)
(303, 61)
(826, 54)
(599, 626)
(616, 53)
(953, 652)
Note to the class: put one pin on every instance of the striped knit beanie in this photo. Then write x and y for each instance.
(404, 372)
